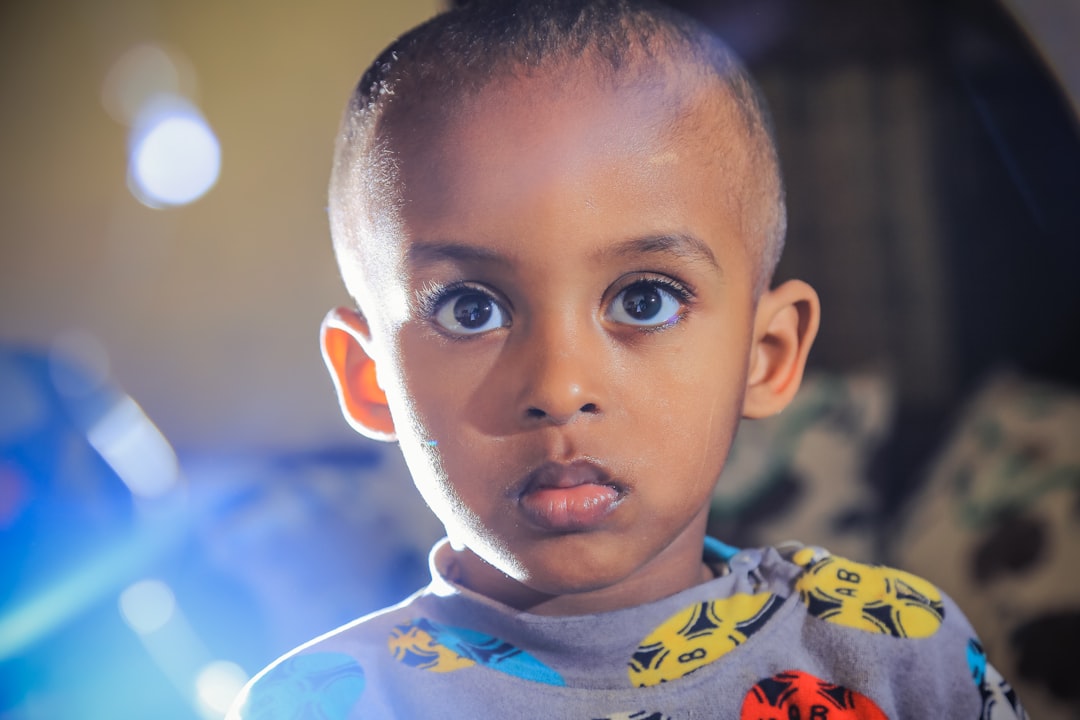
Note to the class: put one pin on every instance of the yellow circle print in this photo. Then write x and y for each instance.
(698, 635)
(869, 597)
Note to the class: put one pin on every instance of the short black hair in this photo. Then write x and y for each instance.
(459, 52)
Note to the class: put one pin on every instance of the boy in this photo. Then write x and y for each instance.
(559, 221)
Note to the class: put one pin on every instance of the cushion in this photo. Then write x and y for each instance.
(802, 475)
(997, 527)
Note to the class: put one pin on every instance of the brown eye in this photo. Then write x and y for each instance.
(470, 312)
(473, 311)
(645, 304)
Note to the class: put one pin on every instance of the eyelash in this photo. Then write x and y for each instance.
(683, 292)
(431, 297)
(677, 288)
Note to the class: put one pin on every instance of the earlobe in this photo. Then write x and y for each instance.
(785, 326)
(345, 337)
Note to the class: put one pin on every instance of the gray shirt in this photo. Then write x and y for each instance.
(796, 633)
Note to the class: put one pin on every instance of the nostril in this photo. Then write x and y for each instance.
(535, 413)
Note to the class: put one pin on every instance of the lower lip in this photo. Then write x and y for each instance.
(566, 509)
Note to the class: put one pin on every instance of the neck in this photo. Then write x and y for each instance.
(672, 571)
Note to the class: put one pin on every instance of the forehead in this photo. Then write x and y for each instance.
(564, 109)
(555, 156)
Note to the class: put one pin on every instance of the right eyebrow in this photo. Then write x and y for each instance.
(680, 244)
(427, 252)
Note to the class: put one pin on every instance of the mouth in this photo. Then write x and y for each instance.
(570, 497)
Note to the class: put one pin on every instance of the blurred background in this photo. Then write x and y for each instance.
(180, 501)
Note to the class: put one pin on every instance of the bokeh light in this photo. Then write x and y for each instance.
(142, 73)
(135, 449)
(147, 606)
(175, 156)
(217, 685)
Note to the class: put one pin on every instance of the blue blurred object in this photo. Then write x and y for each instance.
(71, 541)
(130, 590)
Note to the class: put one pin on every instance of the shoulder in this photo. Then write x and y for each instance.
(902, 631)
(873, 598)
(325, 677)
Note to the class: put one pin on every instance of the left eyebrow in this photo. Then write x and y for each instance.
(679, 244)
(426, 252)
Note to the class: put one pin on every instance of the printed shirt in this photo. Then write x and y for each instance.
(793, 634)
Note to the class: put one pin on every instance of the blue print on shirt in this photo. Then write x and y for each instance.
(976, 659)
(322, 686)
(465, 646)
(999, 701)
(495, 653)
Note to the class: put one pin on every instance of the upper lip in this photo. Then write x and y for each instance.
(553, 474)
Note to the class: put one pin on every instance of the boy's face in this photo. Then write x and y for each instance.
(566, 349)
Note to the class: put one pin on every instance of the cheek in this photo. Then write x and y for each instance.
(428, 384)
(691, 418)
(433, 396)
(696, 436)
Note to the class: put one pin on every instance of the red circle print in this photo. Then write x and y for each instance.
(797, 695)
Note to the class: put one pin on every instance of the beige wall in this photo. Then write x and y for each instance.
(208, 312)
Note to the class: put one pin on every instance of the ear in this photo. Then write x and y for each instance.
(785, 325)
(345, 339)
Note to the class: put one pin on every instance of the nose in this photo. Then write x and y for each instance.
(564, 377)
